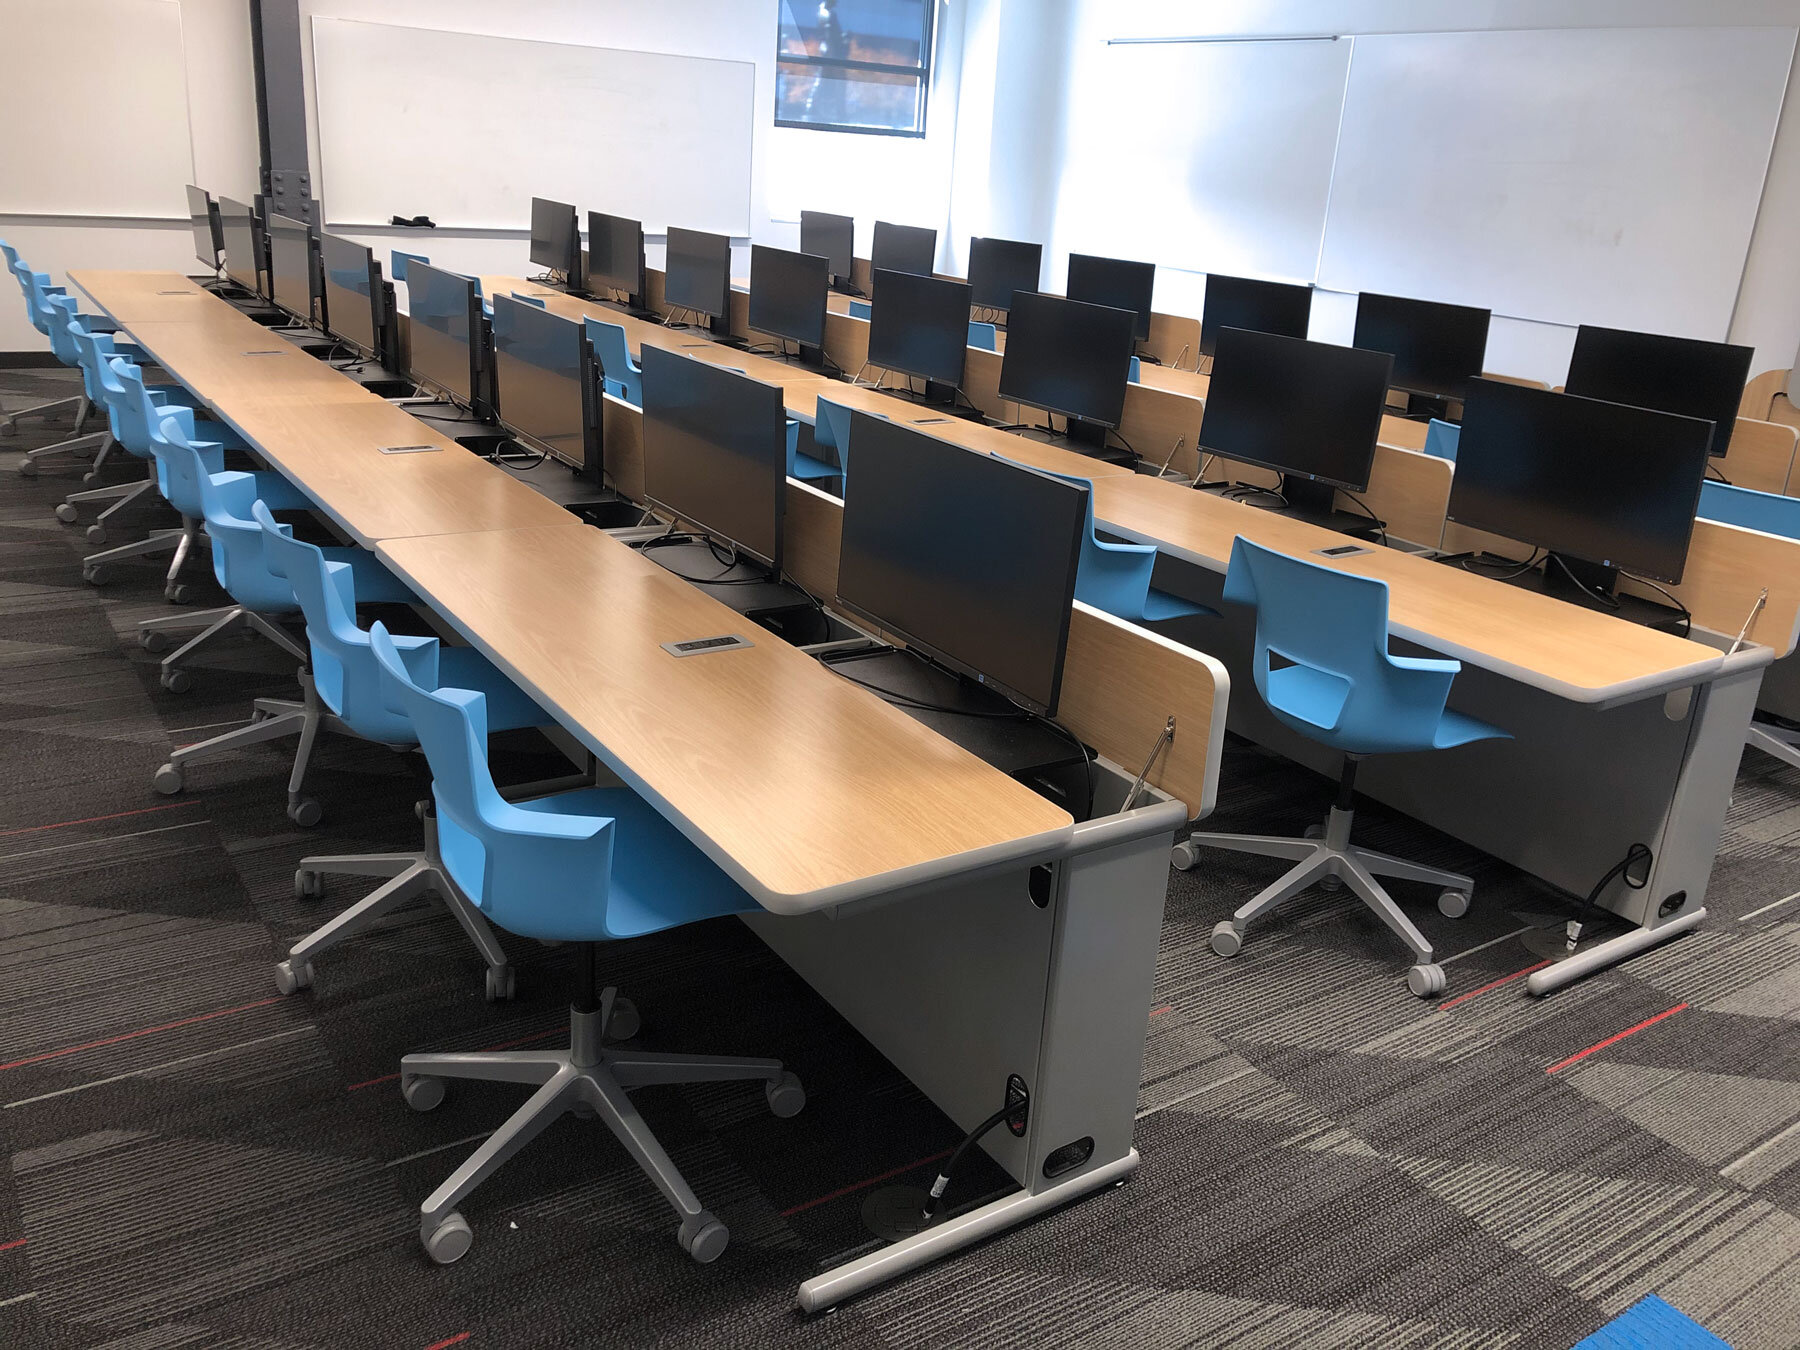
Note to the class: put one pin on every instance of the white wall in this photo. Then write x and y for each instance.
(222, 125)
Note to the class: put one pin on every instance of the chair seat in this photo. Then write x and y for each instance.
(1161, 605)
(807, 469)
(659, 879)
(508, 707)
(1457, 728)
(205, 429)
(278, 494)
(375, 585)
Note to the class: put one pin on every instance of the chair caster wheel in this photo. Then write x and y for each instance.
(28, 470)
(177, 681)
(501, 983)
(168, 779)
(422, 1091)
(308, 884)
(785, 1096)
(1226, 940)
(624, 1022)
(1453, 904)
(1425, 980)
(291, 978)
(449, 1242)
(1183, 856)
(305, 813)
(153, 640)
(96, 534)
(703, 1237)
(1314, 832)
(91, 476)
(419, 809)
(96, 574)
(8, 429)
(66, 513)
(179, 594)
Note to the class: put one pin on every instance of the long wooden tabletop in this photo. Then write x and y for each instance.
(809, 790)
(315, 424)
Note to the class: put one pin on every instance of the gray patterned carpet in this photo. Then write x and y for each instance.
(194, 1161)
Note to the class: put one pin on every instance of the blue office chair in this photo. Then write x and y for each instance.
(525, 299)
(1116, 577)
(807, 468)
(95, 351)
(1339, 685)
(1135, 374)
(861, 309)
(51, 310)
(624, 380)
(398, 263)
(831, 428)
(1767, 513)
(1441, 439)
(588, 867)
(985, 336)
(346, 684)
(23, 275)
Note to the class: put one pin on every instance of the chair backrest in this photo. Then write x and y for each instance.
(94, 351)
(623, 378)
(140, 430)
(1753, 510)
(343, 667)
(831, 426)
(1135, 374)
(63, 311)
(525, 299)
(38, 294)
(536, 873)
(984, 336)
(1109, 576)
(15, 268)
(861, 309)
(1352, 694)
(398, 262)
(1442, 438)
(227, 502)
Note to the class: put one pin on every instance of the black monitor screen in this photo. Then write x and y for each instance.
(1306, 408)
(538, 381)
(443, 308)
(615, 253)
(1437, 349)
(1260, 306)
(202, 219)
(831, 237)
(919, 325)
(1067, 357)
(1675, 375)
(962, 555)
(1605, 483)
(353, 294)
(1109, 281)
(787, 294)
(715, 450)
(903, 248)
(290, 265)
(238, 224)
(556, 237)
(698, 272)
(998, 267)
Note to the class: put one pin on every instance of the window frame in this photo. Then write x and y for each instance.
(920, 72)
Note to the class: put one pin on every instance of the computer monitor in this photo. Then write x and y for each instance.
(832, 238)
(697, 272)
(715, 451)
(903, 248)
(355, 307)
(1311, 411)
(446, 321)
(1437, 349)
(616, 255)
(920, 325)
(968, 559)
(1605, 484)
(203, 219)
(1670, 374)
(787, 294)
(1260, 306)
(290, 265)
(1068, 357)
(1110, 281)
(543, 375)
(998, 267)
(237, 223)
(556, 238)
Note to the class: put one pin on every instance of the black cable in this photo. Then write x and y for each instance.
(1380, 527)
(1129, 449)
(1687, 615)
(1716, 476)
(1635, 854)
(934, 1201)
(521, 459)
(1610, 601)
(1520, 568)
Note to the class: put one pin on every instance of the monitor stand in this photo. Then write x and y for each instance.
(637, 309)
(1586, 584)
(1020, 745)
(1423, 408)
(747, 587)
(718, 327)
(844, 286)
(1316, 504)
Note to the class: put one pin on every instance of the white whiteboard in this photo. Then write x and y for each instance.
(1606, 176)
(467, 129)
(1207, 156)
(93, 103)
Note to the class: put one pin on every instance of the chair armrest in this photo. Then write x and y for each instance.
(374, 584)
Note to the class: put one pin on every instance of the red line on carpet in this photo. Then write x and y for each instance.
(94, 820)
(8, 1246)
(1629, 1031)
(457, 1339)
(841, 1192)
(1158, 1012)
(133, 1035)
(1504, 979)
(486, 1049)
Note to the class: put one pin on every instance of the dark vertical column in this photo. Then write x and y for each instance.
(281, 111)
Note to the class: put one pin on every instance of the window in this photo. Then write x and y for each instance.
(854, 65)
